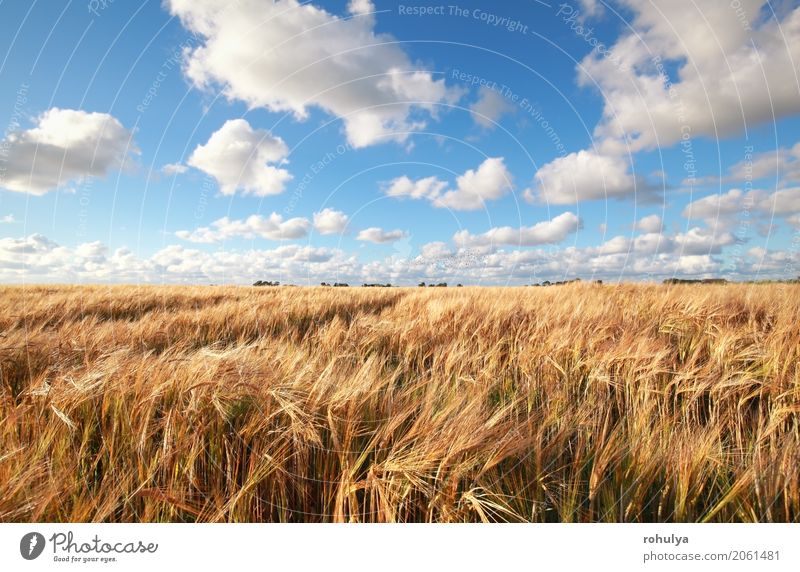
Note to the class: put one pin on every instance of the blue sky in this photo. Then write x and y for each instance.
(483, 143)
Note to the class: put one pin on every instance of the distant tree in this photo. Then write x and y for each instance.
(421, 284)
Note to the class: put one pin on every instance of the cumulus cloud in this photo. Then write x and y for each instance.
(243, 159)
(64, 146)
(644, 244)
(730, 72)
(380, 236)
(272, 227)
(591, 8)
(545, 232)
(360, 7)
(500, 266)
(490, 107)
(781, 165)
(290, 56)
(8, 219)
(714, 206)
(584, 176)
(490, 181)
(651, 223)
(36, 258)
(703, 241)
(174, 169)
(429, 188)
(677, 74)
(330, 221)
(782, 202)
(435, 250)
(724, 209)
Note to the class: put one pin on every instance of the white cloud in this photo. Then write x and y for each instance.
(289, 56)
(36, 258)
(545, 232)
(490, 181)
(380, 236)
(591, 8)
(8, 219)
(428, 188)
(174, 169)
(435, 250)
(782, 202)
(651, 223)
(653, 243)
(730, 72)
(66, 145)
(242, 159)
(697, 241)
(360, 7)
(583, 176)
(614, 245)
(709, 70)
(724, 209)
(288, 263)
(712, 207)
(330, 221)
(781, 165)
(490, 107)
(272, 227)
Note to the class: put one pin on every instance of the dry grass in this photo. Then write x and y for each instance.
(574, 403)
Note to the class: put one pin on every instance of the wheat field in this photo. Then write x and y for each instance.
(576, 403)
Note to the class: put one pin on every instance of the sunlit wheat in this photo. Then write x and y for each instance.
(572, 403)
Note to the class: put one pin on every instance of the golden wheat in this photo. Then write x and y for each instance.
(572, 403)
